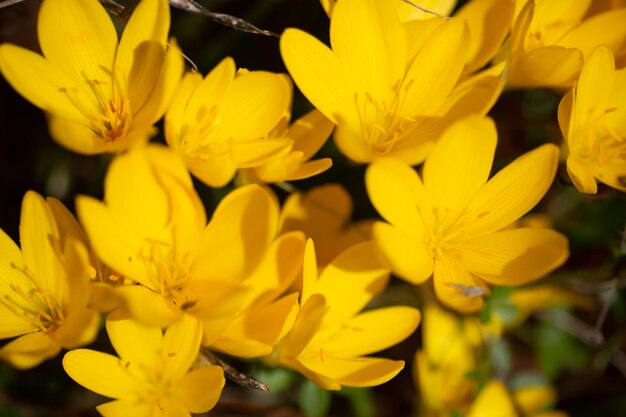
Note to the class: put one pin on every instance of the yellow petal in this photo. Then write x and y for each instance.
(176, 112)
(418, 32)
(40, 242)
(79, 328)
(371, 331)
(318, 74)
(148, 58)
(309, 133)
(11, 324)
(214, 172)
(125, 408)
(212, 90)
(515, 257)
(133, 341)
(102, 373)
(136, 197)
(512, 192)
(164, 89)
(552, 66)
(181, 344)
(435, 70)
(356, 271)
(354, 372)
(253, 105)
(256, 153)
(494, 396)
(309, 169)
(309, 271)
(29, 350)
(237, 236)
(39, 81)
(199, 390)
(468, 146)
(473, 96)
(115, 243)
(79, 37)
(305, 327)
(456, 288)
(350, 141)
(565, 114)
(406, 255)
(488, 22)
(279, 267)
(368, 40)
(593, 32)
(591, 96)
(149, 22)
(397, 193)
(146, 306)
(255, 332)
(66, 222)
(582, 176)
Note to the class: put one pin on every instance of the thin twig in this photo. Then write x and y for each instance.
(418, 7)
(221, 18)
(7, 3)
(233, 374)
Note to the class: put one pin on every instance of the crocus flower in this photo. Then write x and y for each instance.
(550, 39)
(388, 86)
(101, 95)
(331, 336)
(592, 117)
(152, 229)
(43, 289)
(152, 375)
(449, 224)
(223, 122)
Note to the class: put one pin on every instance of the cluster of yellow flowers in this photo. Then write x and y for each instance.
(402, 87)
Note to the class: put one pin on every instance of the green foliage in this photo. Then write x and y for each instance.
(557, 351)
(312, 400)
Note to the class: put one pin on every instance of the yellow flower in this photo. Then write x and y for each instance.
(100, 95)
(323, 214)
(309, 133)
(153, 230)
(549, 40)
(151, 377)
(222, 122)
(388, 96)
(330, 337)
(450, 354)
(593, 121)
(43, 289)
(450, 224)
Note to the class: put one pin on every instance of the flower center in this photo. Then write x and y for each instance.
(443, 236)
(33, 304)
(381, 123)
(107, 116)
(168, 275)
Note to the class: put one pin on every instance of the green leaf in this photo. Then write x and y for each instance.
(500, 355)
(361, 401)
(312, 400)
(557, 351)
